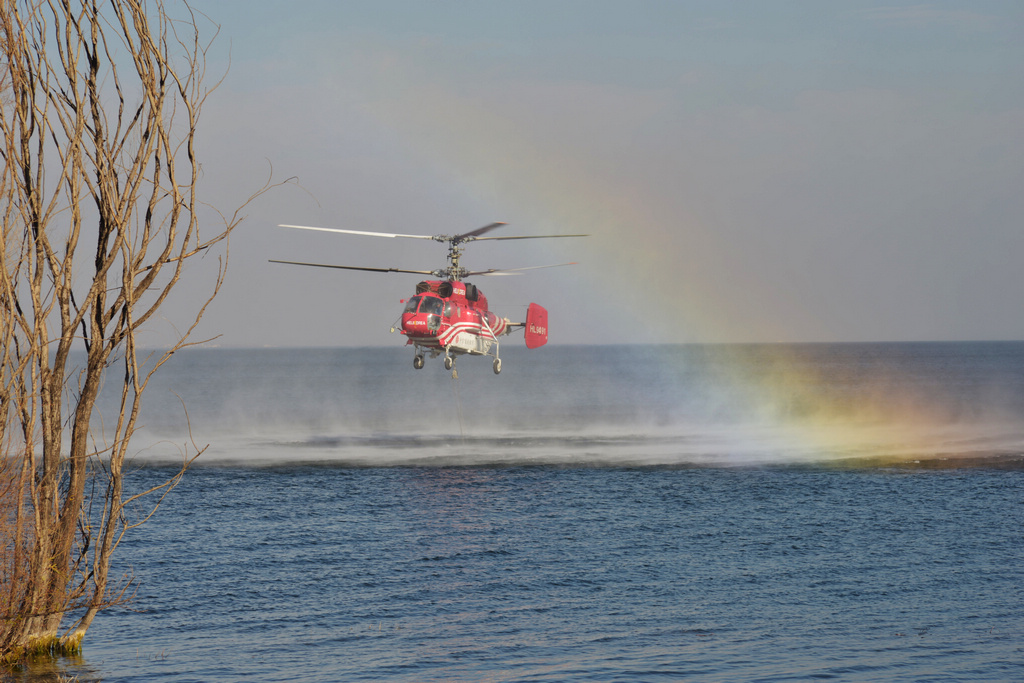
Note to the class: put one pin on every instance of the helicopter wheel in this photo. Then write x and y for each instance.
(417, 362)
(497, 366)
(449, 362)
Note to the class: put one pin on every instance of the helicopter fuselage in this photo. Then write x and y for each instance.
(451, 317)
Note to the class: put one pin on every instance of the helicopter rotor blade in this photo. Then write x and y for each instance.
(515, 271)
(357, 232)
(372, 270)
(473, 234)
(528, 237)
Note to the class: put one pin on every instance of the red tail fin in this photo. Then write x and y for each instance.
(536, 326)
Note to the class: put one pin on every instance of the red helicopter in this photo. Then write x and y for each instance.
(450, 316)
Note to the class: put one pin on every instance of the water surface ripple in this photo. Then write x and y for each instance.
(553, 574)
(716, 513)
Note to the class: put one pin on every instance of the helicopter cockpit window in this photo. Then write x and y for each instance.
(431, 304)
(413, 304)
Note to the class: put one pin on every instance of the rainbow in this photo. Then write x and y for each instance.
(643, 260)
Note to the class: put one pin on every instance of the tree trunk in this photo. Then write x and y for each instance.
(114, 133)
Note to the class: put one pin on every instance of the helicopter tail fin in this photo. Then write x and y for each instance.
(536, 326)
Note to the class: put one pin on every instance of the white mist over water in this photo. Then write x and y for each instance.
(592, 406)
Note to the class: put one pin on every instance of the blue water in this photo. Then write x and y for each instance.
(592, 514)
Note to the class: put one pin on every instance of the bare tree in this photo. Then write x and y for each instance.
(100, 214)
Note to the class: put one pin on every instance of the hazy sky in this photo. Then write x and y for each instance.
(798, 171)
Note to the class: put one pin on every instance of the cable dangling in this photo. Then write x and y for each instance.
(458, 405)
